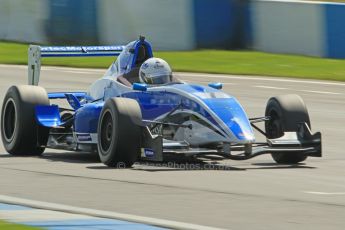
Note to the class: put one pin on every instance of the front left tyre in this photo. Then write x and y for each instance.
(20, 133)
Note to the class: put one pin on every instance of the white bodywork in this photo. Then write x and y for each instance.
(34, 64)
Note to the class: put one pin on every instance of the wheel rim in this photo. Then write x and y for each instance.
(106, 132)
(274, 128)
(9, 120)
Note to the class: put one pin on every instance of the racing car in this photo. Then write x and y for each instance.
(126, 123)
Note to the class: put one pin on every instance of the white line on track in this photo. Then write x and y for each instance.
(320, 92)
(325, 193)
(268, 87)
(205, 75)
(55, 68)
(207, 82)
(78, 72)
(103, 214)
(306, 91)
(14, 66)
(259, 78)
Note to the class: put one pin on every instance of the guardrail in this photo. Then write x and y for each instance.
(297, 27)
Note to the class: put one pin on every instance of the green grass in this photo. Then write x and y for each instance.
(209, 61)
(9, 226)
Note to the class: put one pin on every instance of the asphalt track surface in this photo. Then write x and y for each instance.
(252, 194)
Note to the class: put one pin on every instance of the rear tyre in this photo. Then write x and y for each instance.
(286, 112)
(20, 132)
(119, 132)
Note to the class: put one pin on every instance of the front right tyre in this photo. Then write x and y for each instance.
(286, 112)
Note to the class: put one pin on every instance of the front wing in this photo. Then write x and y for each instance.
(302, 142)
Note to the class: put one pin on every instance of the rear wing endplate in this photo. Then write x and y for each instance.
(35, 53)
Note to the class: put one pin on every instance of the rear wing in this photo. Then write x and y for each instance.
(35, 53)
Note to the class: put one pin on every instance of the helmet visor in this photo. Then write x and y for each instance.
(158, 80)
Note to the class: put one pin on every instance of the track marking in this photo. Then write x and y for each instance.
(325, 193)
(62, 220)
(104, 214)
(33, 214)
(207, 82)
(78, 72)
(56, 68)
(268, 87)
(307, 91)
(319, 92)
(14, 66)
(204, 75)
(223, 76)
(259, 78)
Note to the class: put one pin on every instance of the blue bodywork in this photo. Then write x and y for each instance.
(216, 85)
(86, 118)
(223, 112)
(156, 103)
(48, 116)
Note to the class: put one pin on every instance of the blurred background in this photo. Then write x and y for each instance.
(293, 27)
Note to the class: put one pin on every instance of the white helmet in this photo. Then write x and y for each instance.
(155, 71)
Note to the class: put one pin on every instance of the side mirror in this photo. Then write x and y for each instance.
(216, 85)
(139, 87)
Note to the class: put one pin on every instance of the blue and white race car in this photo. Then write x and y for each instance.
(139, 111)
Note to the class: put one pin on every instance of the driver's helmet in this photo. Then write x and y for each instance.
(155, 71)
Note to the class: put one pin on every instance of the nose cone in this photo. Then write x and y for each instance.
(235, 121)
(241, 129)
(223, 110)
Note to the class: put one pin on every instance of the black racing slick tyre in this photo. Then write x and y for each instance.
(20, 132)
(285, 112)
(119, 132)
